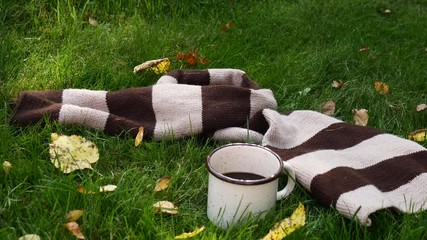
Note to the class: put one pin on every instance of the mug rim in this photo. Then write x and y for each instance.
(242, 181)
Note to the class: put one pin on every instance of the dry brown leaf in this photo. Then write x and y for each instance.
(191, 54)
(180, 56)
(108, 188)
(7, 166)
(361, 117)
(30, 237)
(227, 26)
(187, 55)
(70, 153)
(139, 136)
(418, 135)
(328, 108)
(74, 228)
(190, 234)
(148, 64)
(421, 107)
(204, 60)
(381, 87)
(73, 215)
(162, 184)
(192, 61)
(337, 84)
(165, 207)
(191, 58)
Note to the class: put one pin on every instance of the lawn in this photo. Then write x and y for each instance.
(295, 48)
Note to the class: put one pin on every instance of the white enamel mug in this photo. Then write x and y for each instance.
(243, 180)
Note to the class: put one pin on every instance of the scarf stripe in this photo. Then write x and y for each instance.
(130, 109)
(294, 129)
(359, 156)
(171, 117)
(409, 197)
(386, 176)
(84, 107)
(85, 98)
(233, 101)
(261, 99)
(221, 77)
(237, 134)
(189, 77)
(350, 135)
(71, 114)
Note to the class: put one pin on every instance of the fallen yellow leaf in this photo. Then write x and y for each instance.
(381, 87)
(150, 64)
(418, 135)
(162, 67)
(191, 234)
(7, 166)
(421, 107)
(107, 188)
(70, 153)
(162, 184)
(73, 215)
(165, 207)
(81, 189)
(337, 84)
(92, 21)
(139, 136)
(30, 237)
(328, 108)
(74, 228)
(364, 48)
(287, 225)
(361, 117)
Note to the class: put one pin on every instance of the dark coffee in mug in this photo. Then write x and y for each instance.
(243, 175)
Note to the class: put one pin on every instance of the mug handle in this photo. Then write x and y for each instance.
(290, 185)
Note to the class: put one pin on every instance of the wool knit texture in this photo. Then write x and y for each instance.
(358, 170)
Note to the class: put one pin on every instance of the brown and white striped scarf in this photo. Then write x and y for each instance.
(358, 170)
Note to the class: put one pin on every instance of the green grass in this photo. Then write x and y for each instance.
(287, 46)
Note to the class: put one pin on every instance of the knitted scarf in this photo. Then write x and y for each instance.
(358, 170)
